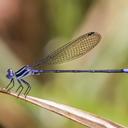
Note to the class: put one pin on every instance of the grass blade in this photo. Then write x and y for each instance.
(72, 113)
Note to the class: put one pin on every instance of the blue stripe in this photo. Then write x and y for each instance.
(23, 72)
(20, 70)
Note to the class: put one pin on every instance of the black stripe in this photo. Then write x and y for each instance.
(22, 72)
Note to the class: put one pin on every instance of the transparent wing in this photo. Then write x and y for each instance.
(72, 50)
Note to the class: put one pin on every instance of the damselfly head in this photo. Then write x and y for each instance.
(10, 74)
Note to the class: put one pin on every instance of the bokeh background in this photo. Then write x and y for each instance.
(30, 29)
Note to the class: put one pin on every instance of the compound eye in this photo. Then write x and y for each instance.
(10, 74)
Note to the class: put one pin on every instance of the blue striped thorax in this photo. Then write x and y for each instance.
(23, 72)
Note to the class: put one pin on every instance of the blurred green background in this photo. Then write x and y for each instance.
(30, 29)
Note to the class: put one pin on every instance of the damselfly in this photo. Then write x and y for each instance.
(72, 50)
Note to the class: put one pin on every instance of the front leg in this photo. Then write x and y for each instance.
(8, 88)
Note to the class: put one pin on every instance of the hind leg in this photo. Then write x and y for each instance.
(28, 88)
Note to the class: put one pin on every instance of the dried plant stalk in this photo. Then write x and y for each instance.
(77, 115)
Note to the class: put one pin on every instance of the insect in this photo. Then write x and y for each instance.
(70, 51)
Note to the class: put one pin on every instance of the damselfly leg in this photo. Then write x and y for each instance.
(20, 86)
(28, 88)
(9, 87)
